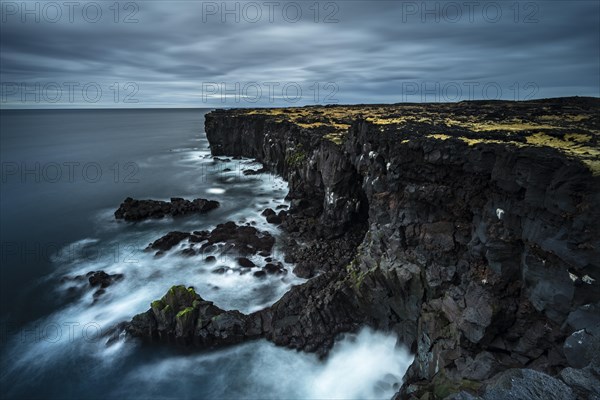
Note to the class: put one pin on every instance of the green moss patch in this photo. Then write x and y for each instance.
(570, 125)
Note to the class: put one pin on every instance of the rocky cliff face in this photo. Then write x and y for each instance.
(479, 248)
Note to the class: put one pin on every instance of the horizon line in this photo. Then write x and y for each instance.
(292, 106)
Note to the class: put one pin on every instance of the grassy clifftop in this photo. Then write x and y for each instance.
(571, 125)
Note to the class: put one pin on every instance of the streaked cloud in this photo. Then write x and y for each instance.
(182, 54)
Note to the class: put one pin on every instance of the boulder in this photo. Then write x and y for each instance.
(183, 317)
(527, 384)
(245, 263)
(137, 210)
(102, 279)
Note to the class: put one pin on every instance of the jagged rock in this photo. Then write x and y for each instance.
(490, 228)
(527, 384)
(183, 317)
(274, 219)
(585, 317)
(580, 348)
(243, 240)
(93, 279)
(305, 270)
(98, 293)
(137, 210)
(477, 245)
(462, 396)
(102, 279)
(168, 241)
(268, 212)
(477, 314)
(480, 368)
(583, 382)
(188, 252)
(274, 268)
(255, 171)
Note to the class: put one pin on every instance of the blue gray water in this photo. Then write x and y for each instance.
(63, 175)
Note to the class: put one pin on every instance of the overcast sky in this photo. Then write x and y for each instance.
(245, 54)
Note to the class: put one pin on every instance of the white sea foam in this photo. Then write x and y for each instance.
(369, 365)
(215, 190)
(366, 365)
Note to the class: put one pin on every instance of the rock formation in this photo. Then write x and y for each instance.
(468, 229)
(137, 210)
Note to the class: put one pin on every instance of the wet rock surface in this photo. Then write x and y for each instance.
(182, 316)
(138, 210)
(481, 255)
(243, 240)
(98, 280)
(102, 279)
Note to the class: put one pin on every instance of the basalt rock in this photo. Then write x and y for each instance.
(137, 210)
(182, 316)
(168, 241)
(243, 240)
(98, 280)
(102, 279)
(469, 230)
(307, 318)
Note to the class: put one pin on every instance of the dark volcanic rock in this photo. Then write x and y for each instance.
(477, 246)
(268, 212)
(102, 279)
(260, 274)
(95, 279)
(137, 210)
(242, 240)
(255, 171)
(168, 241)
(183, 317)
(245, 263)
(220, 270)
(584, 382)
(527, 384)
(579, 348)
(274, 219)
(274, 268)
(188, 252)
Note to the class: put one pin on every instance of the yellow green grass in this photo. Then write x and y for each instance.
(572, 129)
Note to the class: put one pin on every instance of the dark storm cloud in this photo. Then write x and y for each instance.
(183, 54)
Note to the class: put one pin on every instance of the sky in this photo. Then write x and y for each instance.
(107, 54)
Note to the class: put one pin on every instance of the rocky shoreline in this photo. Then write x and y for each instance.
(138, 210)
(462, 229)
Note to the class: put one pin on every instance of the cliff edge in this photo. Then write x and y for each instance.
(468, 229)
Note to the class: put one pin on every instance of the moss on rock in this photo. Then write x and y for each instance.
(296, 158)
(569, 125)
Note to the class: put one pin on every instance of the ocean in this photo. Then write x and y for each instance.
(64, 173)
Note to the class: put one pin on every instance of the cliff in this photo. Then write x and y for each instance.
(468, 229)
